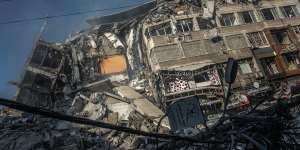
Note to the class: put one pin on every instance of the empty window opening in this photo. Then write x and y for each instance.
(270, 66)
(289, 11)
(204, 24)
(46, 57)
(269, 13)
(247, 17)
(281, 37)
(201, 77)
(39, 54)
(28, 78)
(42, 82)
(292, 60)
(211, 108)
(207, 78)
(162, 29)
(228, 20)
(185, 25)
(52, 60)
(257, 39)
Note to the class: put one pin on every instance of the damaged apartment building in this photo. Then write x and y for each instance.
(187, 48)
(168, 56)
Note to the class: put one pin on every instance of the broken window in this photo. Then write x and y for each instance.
(247, 17)
(280, 37)
(42, 82)
(245, 67)
(53, 59)
(162, 29)
(201, 77)
(38, 55)
(292, 60)
(204, 24)
(297, 31)
(228, 19)
(207, 78)
(257, 39)
(185, 25)
(289, 11)
(270, 66)
(28, 78)
(46, 57)
(269, 13)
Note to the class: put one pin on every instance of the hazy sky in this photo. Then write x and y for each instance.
(16, 39)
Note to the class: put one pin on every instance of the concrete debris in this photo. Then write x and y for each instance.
(137, 84)
(122, 109)
(130, 68)
(114, 40)
(209, 10)
(92, 107)
(142, 105)
(29, 132)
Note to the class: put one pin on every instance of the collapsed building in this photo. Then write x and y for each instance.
(170, 57)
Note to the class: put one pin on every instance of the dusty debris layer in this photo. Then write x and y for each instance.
(133, 67)
(27, 132)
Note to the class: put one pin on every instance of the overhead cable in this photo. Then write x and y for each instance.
(68, 14)
(56, 115)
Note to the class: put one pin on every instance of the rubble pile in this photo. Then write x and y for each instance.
(158, 67)
(46, 133)
(272, 128)
(27, 132)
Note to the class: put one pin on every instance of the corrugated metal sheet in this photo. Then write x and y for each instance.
(185, 113)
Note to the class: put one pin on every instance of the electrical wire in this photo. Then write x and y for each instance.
(260, 130)
(59, 116)
(69, 14)
(5, 1)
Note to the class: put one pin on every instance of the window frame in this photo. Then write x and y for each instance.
(245, 62)
(275, 37)
(267, 65)
(204, 24)
(155, 30)
(293, 8)
(272, 10)
(232, 22)
(262, 37)
(186, 25)
(288, 59)
(251, 15)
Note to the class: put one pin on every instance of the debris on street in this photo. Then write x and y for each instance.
(161, 68)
